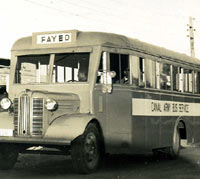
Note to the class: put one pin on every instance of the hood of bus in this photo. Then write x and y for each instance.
(61, 93)
(31, 115)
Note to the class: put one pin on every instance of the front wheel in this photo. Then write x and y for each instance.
(86, 150)
(8, 156)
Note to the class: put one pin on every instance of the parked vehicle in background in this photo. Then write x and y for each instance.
(91, 93)
(4, 77)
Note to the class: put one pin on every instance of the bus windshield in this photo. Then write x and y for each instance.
(67, 67)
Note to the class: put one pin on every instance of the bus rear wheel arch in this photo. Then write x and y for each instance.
(179, 134)
(86, 150)
(172, 152)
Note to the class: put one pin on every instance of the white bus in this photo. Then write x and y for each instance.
(91, 93)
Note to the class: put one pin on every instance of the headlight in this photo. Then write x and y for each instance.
(51, 104)
(5, 103)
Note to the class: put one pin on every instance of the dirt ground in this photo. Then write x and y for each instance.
(115, 167)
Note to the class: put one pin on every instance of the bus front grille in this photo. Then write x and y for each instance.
(15, 106)
(37, 121)
(28, 116)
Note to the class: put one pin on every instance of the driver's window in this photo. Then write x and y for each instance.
(102, 66)
(120, 64)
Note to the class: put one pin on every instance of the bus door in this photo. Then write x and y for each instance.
(116, 99)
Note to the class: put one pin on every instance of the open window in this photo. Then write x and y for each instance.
(188, 78)
(197, 82)
(120, 64)
(165, 76)
(175, 78)
(181, 79)
(150, 73)
(137, 66)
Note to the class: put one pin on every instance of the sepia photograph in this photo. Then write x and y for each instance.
(104, 89)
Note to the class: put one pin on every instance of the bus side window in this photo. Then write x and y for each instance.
(188, 76)
(175, 78)
(120, 64)
(191, 81)
(186, 80)
(157, 75)
(165, 76)
(137, 71)
(181, 79)
(124, 70)
(141, 71)
(134, 68)
(150, 74)
(100, 69)
(197, 82)
(114, 66)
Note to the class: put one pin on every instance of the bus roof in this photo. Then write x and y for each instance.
(106, 39)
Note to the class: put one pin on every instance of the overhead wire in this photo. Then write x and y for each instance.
(93, 9)
(64, 12)
(142, 19)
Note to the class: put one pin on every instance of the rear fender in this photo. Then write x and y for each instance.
(68, 127)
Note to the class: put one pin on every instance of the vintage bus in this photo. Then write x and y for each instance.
(92, 93)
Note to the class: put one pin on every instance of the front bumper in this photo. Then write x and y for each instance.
(34, 141)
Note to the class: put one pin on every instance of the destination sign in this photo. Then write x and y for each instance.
(54, 38)
(151, 107)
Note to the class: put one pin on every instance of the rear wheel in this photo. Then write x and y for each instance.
(175, 148)
(8, 156)
(86, 150)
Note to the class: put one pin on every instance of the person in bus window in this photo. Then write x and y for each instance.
(125, 77)
(82, 75)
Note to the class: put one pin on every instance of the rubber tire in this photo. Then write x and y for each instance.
(175, 148)
(8, 156)
(86, 150)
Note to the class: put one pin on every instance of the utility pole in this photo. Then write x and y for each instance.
(191, 36)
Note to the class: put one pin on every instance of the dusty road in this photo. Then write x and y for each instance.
(116, 167)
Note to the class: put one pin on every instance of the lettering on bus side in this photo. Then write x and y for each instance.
(169, 107)
(156, 107)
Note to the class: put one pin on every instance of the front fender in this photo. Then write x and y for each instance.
(6, 120)
(68, 127)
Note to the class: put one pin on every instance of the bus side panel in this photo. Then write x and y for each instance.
(167, 124)
(146, 129)
(187, 120)
(118, 120)
(193, 131)
(138, 134)
(146, 133)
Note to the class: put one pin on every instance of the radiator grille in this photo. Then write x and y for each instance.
(37, 122)
(28, 121)
(24, 116)
(16, 104)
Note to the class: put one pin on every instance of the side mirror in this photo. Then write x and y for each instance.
(112, 74)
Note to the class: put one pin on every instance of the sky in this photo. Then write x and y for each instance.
(159, 22)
